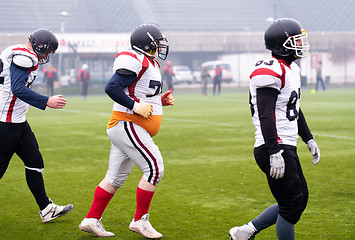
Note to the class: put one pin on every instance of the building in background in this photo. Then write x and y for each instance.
(202, 30)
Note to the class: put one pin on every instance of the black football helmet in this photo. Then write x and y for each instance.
(149, 40)
(286, 37)
(43, 43)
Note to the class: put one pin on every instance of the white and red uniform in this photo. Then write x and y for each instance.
(147, 88)
(12, 109)
(130, 133)
(274, 73)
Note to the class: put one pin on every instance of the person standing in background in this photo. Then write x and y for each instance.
(217, 80)
(168, 74)
(319, 76)
(50, 76)
(84, 79)
(205, 77)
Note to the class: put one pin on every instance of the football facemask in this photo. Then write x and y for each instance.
(160, 49)
(299, 44)
(43, 58)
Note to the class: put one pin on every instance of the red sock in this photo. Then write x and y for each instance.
(143, 199)
(98, 206)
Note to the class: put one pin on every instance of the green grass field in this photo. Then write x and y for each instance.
(211, 180)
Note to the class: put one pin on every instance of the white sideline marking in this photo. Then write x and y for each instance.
(204, 122)
(197, 121)
(80, 111)
(332, 136)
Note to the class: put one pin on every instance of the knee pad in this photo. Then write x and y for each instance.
(117, 181)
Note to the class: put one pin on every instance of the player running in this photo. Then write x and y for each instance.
(275, 105)
(18, 69)
(135, 87)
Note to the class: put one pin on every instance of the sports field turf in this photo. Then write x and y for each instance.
(211, 180)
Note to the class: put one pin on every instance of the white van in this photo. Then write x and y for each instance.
(182, 74)
(227, 74)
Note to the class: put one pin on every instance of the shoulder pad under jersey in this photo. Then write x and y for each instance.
(22, 61)
(129, 60)
(24, 51)
(266, 73)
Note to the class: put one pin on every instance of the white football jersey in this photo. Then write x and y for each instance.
(13, 109)
(148, 85)
(286, 79)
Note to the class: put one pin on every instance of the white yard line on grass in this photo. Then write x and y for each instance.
(200, 122)
(86, 112)
(332, 136)
(205, 122)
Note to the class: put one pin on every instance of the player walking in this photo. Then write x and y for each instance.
(135, 87)
(276, 113)
(18, 69)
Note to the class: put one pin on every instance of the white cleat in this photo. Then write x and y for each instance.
(94, 226)
(143, 227)
(53, 211)
(244, 232)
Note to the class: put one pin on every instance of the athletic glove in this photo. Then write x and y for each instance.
(277, 165)
(313, 148)
(143, 109)
(167, 98)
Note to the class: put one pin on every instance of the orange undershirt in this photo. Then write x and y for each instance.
(151, 124)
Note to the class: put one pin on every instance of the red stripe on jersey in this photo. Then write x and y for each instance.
(154, 62)
(284, 63)
(279, 140)
(283, 75)
(128, 54)
(131, 88)
(264, 71)
(11, 109)
(34, 68)
(25, 50)
(157, 62)
(28, 51)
